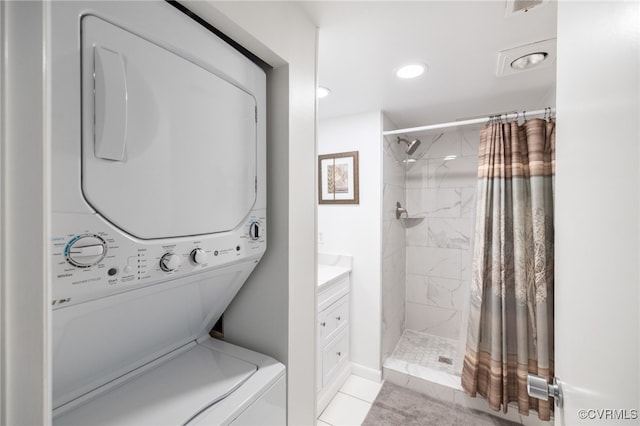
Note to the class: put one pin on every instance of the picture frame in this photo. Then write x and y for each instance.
(338, 178)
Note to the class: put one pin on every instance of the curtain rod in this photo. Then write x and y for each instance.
(482, 120)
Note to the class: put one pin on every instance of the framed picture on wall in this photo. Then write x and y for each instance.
(338, 178)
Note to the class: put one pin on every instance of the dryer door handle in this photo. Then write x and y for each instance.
(110, 104)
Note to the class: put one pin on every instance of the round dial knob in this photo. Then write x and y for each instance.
(199, 256)
(255, 230)
(170, 262)
(86, 250)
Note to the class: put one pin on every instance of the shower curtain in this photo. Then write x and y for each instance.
(510, 331)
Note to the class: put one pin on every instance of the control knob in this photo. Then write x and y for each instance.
(86, 250)
(255, 231)
(199, 256)
(170, 262)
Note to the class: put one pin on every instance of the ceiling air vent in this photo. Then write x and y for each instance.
(514, 7)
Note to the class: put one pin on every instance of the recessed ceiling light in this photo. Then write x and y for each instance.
(410, 71)
(529, 61)
(511, 60)
(322, 92)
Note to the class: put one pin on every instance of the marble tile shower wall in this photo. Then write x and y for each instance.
(393, 246)
(442, 191)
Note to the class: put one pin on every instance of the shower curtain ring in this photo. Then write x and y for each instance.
(524, 115)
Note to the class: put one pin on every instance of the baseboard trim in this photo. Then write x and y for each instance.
(366, 372)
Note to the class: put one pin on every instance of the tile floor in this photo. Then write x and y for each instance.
(427, 350)
(351, 404)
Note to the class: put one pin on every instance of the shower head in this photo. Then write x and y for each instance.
(411, 145)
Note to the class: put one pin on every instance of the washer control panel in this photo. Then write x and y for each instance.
(93, 259)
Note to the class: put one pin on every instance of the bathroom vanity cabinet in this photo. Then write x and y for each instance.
(333, 366)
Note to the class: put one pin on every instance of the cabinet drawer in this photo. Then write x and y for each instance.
(334, 356)
(329, 294)
(332, 320)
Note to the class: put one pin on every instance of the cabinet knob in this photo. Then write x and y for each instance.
(339, 353)
(323, 323)
(338, 318)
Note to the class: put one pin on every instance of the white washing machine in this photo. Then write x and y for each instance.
(159, 217)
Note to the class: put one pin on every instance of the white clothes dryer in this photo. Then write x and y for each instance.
(159, 217)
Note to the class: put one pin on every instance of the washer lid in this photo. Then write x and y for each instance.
(169, 144)
(169, 394)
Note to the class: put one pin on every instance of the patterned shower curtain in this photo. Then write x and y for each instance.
(510, 330)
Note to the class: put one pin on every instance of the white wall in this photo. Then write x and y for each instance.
(274, 312)
(355, 229)
(597, 209)
(25, 372)
(393, 243)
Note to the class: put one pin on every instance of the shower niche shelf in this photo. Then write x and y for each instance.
(401, 213)
(411, 221)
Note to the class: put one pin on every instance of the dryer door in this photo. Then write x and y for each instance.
(169, 144)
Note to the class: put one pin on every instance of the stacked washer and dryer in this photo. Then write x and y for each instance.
(159, 217)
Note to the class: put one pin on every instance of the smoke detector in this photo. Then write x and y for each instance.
(516, 7)
(534, 56)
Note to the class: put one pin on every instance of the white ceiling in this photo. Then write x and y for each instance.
(362, 43)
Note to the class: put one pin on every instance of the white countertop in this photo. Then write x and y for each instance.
(328, 274)
(331, 268)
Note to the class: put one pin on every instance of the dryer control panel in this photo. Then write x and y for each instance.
(91, 259)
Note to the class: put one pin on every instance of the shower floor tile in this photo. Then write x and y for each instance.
(425, 350)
